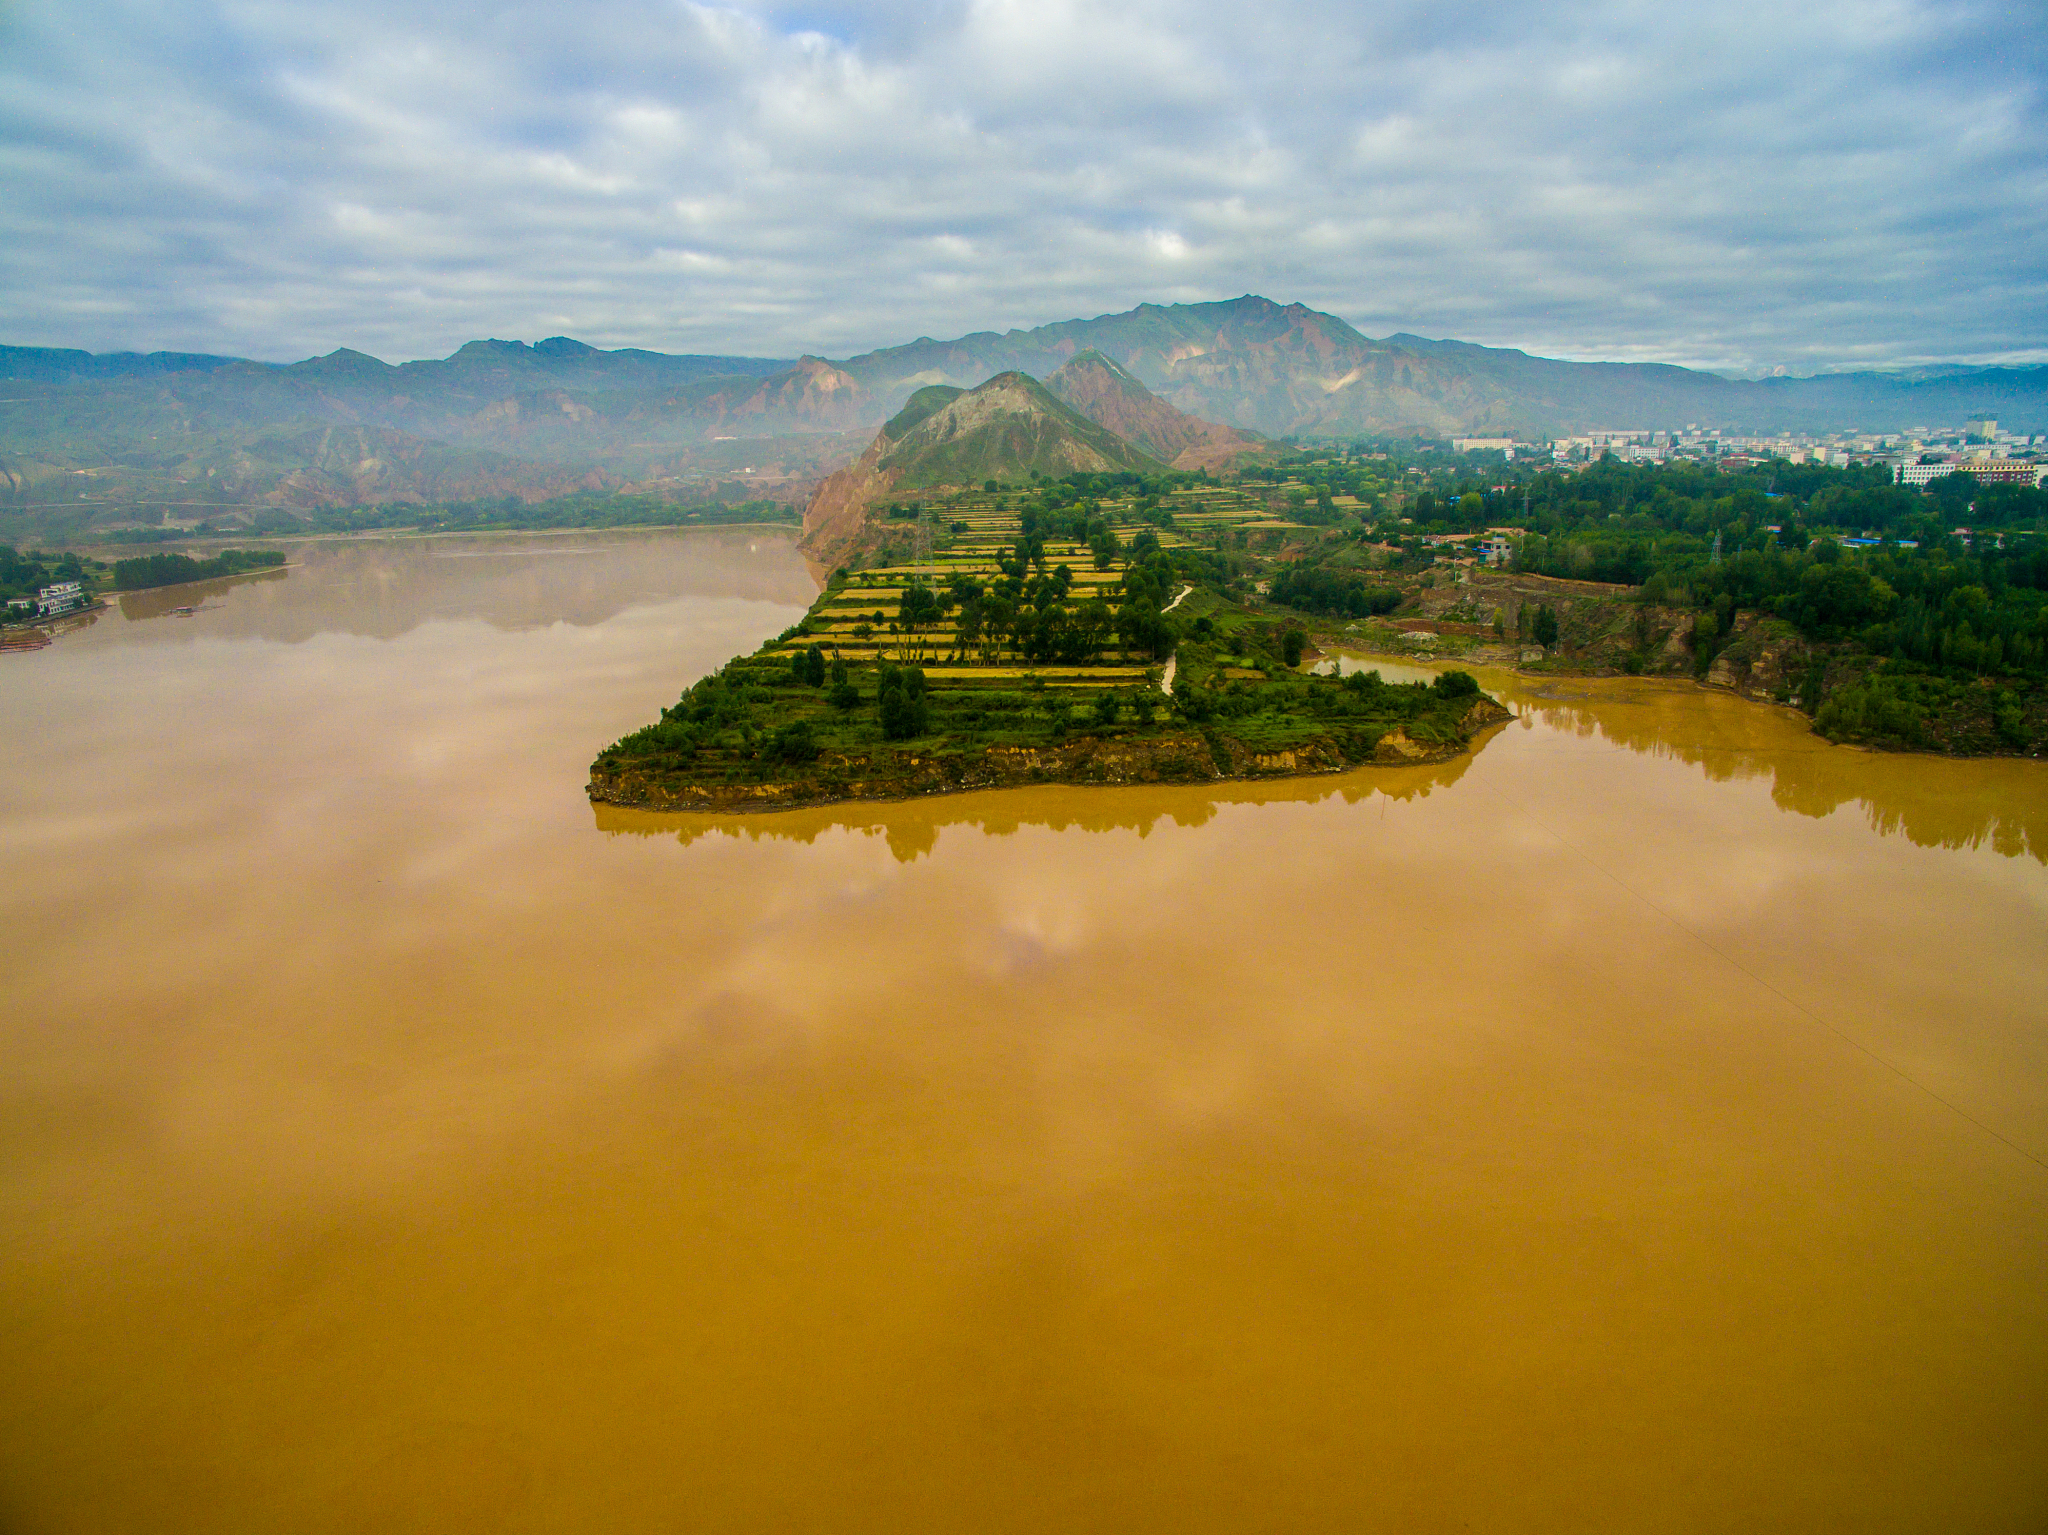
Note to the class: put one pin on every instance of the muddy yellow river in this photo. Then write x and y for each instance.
(1641, 1125)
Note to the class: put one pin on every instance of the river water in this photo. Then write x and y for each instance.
(1642, 1124)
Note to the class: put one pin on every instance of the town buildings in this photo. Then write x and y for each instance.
(1979, 446)
(1986, 471)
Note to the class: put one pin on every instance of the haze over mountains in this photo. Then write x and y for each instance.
(1009, 427)
(1108, 394)
(502, 417)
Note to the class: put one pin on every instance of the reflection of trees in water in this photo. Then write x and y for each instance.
(383, 588)
(39, 636)
(162, 601)
(912, 826)
(1942, 802)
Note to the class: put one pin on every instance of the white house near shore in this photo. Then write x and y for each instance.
(60, 598)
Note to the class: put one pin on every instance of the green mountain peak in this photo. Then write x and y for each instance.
(1005, 428)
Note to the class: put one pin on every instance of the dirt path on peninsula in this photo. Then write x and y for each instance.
(1172, 661)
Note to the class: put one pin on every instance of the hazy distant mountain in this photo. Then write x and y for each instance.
(1248, 362)
(103, 436)
(1552, 396)
(51, 364)
(497, 418)
(1287, 369)
(812, 396)
(487, 365)
(1111, 397)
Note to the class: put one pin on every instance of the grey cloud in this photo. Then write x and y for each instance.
(1745, 184)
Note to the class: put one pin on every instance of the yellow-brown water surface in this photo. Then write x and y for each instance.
(1640, 1125)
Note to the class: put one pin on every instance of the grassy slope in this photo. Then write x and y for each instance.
(1008, 427)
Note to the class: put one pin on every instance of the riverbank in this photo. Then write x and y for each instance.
(1848, 695)
(102, 546)
(1169, 756)
(21, 634)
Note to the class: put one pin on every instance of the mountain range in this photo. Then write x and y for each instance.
(502, 417)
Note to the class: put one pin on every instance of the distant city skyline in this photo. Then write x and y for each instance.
(1750, 188)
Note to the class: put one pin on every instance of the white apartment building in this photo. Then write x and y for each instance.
(1988, 471)
(60, 598)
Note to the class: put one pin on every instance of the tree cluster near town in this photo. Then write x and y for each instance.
(1873, 583)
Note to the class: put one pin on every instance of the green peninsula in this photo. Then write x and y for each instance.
(1091, 629)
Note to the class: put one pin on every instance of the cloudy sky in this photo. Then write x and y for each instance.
(1744, 184)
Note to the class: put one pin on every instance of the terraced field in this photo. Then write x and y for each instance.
(1021, 637)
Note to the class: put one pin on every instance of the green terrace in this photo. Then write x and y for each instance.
(1014, 624)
